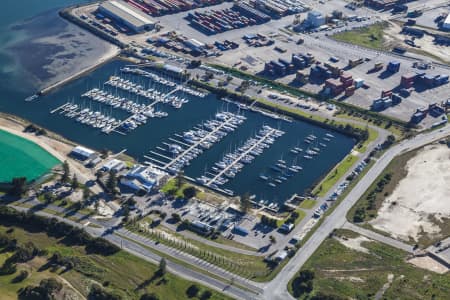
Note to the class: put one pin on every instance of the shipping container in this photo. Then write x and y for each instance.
(359, 83)
(396, 99)
(393, 66)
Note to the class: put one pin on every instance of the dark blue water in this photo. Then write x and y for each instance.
(19, 81)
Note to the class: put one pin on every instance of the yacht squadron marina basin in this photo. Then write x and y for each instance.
(162, 121)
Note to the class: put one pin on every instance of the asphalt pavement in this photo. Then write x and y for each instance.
(277, 288)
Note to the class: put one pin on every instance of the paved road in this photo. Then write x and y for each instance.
(382, 134)
(140, 251)
(379, 237)
(277, 288)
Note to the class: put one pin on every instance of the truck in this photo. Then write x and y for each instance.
(354, 62)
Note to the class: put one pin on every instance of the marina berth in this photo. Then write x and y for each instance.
(139, 102)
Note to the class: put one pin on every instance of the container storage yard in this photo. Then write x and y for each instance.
(215, 21)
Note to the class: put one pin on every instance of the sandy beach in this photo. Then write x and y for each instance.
(56, 147)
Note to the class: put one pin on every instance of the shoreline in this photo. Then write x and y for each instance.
(113, 53)
(53, 143)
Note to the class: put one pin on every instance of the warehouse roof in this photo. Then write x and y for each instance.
(82, 152)
(127, 12)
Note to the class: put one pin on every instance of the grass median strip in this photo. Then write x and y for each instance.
(184, 264)
(247, 266)
(335, 175)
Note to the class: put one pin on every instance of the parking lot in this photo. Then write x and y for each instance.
(221, 216)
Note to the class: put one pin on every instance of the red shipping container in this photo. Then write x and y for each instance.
(407, 84)
(347, 83)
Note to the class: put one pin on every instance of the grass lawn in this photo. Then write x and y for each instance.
(396, 130)
(369, 36)
(9, 289)
(301, 216)
(353, 274)
(335, 175)
(125, 273)
(171, 188)
(308, 204)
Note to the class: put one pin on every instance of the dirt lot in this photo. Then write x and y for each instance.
(428, 263)
(416, 207)
(426, 44)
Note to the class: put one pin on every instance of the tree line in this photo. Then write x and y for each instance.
(53, 227)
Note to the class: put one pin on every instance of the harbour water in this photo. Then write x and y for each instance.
(18, 83)
(148, 137)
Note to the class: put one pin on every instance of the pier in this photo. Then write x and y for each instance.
(148, 108)
(195, 145)
(268, 134)
(62, 107)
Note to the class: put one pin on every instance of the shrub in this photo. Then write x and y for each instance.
(99, 293)
(192, 291)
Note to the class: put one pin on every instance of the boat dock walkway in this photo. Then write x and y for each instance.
(197, 143)
(243, 154)
(61, 107)
(179, 87)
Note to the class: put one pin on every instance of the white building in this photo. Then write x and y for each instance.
(127, 14)
(82, 153)
(315, 19)
(142, 178)
(114, 165)
(446, 24)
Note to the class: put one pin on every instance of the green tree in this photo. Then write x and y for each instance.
(272, 239)
(303, 283)
(192, 291)
(245, 202)
(179, 179)
(151, 296)
(46, 290)
(18, 186)
(66, 172)
(162, 267)
(206, 295)
(323, 296)
(189, 192)
(86, 193)
(360, 215)
(75, 184)
(111, 183)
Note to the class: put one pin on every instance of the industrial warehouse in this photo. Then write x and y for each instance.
(130, 16)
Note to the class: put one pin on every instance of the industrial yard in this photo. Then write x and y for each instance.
(406, 92)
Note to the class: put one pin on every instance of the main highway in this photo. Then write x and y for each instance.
(277, 288)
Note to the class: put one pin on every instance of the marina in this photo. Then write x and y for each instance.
(232, 163)
(140, 111)
(161, 140)
(195, 141)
